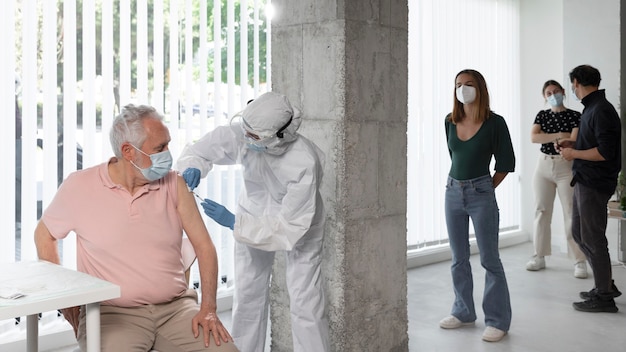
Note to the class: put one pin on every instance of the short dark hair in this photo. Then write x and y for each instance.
(586, 75)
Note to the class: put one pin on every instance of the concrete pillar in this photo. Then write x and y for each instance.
(344, 62)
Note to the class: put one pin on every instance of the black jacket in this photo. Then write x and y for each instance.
(600, 127)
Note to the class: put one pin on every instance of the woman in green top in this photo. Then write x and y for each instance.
(475, 134)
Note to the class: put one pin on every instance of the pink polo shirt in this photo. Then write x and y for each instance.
(132, 240)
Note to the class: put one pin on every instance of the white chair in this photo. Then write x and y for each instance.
(189, 256)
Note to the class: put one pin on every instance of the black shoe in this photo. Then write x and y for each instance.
(596, 305)
(594, 291)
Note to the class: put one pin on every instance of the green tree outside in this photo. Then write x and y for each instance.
(249, 13)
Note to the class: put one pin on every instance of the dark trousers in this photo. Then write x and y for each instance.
(589, 231)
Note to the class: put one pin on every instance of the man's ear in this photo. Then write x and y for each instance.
(127, 151)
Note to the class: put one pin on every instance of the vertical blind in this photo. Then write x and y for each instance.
(72, 85)
(445, 37)
(76, 62)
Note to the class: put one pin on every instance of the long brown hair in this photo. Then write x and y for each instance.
(482, 96)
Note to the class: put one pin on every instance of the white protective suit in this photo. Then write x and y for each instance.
(279, 208)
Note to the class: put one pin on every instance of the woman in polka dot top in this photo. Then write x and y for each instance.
(553, 175)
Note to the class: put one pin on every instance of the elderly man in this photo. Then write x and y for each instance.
(129, 214)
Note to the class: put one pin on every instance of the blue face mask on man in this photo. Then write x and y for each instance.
(161, 165)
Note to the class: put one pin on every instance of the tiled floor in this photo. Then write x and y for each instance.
(543, 317)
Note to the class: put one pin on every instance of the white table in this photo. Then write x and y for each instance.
(48, 287)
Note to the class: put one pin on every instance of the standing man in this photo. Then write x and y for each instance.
(129, 214)
(597, 162)
(279, 209)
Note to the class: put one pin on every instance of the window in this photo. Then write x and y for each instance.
(445, 37)
(76, 62)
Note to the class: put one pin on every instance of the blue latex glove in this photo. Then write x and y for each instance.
(192, 177)
(219, 213)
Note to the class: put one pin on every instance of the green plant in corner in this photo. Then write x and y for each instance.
(619, 190)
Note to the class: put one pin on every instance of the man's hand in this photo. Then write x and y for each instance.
(71, 315)
(565, 148)
(209, 322)
(567, 153)
(563, 143)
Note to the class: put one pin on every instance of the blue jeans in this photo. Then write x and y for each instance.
(476, 199)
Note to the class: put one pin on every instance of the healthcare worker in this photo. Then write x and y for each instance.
(279, 209)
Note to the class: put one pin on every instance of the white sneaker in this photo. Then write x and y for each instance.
(536, 263)
(580, 270)
(452, 322)
(492, 334)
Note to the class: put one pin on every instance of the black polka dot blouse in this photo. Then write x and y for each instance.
(554, 122)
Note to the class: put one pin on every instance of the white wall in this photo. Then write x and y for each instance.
(592, 36)
(557, 36)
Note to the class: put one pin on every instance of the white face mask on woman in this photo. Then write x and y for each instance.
(466, 94)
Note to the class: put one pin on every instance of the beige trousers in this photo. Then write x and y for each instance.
(553, 175)
(162, 327)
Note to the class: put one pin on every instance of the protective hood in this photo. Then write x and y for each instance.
(272, 118)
